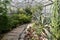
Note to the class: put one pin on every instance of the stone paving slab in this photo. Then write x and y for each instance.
(14, 34)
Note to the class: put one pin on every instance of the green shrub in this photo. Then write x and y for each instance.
(23, 18)
(9, 22)
(13, 20)
(3, 23)
(28, 11)
(16, 19)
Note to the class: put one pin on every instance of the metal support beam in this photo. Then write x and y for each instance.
(48, 4)
(51, 0)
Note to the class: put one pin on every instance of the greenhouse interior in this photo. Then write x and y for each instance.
(29, 20)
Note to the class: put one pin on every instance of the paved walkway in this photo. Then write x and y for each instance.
(14, 34)
(21, 37)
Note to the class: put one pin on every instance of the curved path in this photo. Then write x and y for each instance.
(14, 34)
(21, 36)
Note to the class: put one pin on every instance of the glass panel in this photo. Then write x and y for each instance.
(33, 1)
(23, 3)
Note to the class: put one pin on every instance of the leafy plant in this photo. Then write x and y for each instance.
(55, 20)
(28, 10)
(3, 23)
(3, 15)
(23, 18)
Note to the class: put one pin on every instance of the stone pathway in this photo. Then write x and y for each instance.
(15, 33)
(21, 37)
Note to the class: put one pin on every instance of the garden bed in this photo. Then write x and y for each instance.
(30, 34)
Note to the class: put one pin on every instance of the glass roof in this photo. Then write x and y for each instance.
(23, 3)
(18, 2)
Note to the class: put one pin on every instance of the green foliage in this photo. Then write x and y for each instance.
(9, 22)
(38, 28)
(23, 18)
(3, 15)
(37, 7)
(3, 23)
(47, 20)
(36, 10)
(21, 11)
(13, 20)
(19, 19)
(28, 11)
(3, 6)
(55, 20)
